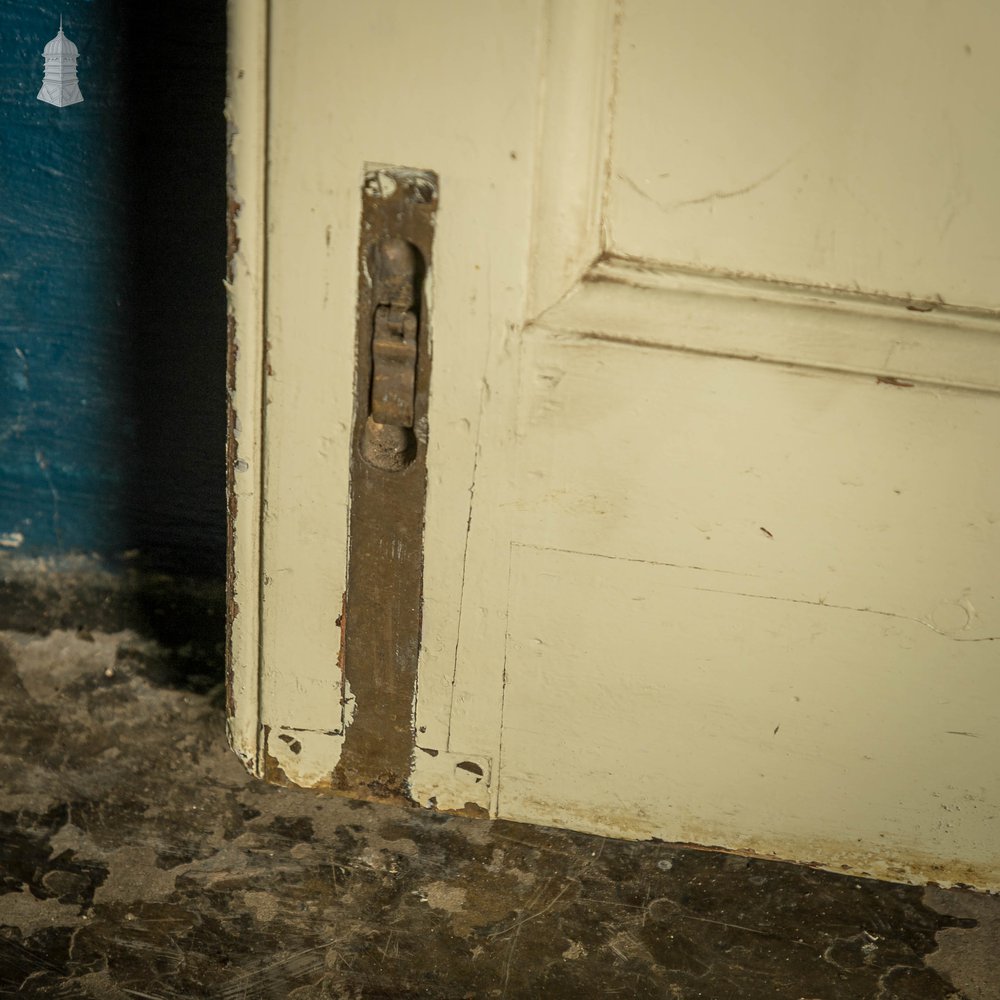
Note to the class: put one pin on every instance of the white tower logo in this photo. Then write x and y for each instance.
(59, 86)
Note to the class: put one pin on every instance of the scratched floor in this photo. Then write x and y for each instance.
(137, 859)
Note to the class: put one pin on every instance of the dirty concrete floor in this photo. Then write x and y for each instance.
(137, 859)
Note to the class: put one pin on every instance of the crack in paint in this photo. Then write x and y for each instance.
(711, 196)
(761, 597)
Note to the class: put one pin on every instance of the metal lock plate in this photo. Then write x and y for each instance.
(382, 614)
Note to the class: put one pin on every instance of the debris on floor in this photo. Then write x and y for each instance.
(138, 859)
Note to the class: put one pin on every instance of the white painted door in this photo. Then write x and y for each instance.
(712, 491)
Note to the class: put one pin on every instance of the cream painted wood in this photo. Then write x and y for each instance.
(760, 321)
(439, 99)
(577, 86)
(851, 145)
(707, 557)
(246, 108)
(749, 723)
(863, 509)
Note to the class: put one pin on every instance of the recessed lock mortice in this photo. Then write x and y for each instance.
(388, 441)
(382, 615)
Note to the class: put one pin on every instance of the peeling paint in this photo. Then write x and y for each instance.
(301, 758)
(451, 782)
(232, 440)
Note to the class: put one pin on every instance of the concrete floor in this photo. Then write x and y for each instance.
(137, 859)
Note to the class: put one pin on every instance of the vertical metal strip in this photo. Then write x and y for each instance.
(382, 618)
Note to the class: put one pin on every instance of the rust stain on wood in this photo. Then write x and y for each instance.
(383, 612)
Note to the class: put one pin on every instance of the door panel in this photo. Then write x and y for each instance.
(715, 556)
(708, 556)
(695, 714)
(849, 146)
(796, 485)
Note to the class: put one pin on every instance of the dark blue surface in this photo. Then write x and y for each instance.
(112, 315)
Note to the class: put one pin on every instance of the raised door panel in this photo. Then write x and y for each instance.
(850, 145)
(714, 511)
(753, 605)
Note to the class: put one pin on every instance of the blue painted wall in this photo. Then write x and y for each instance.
(112, 311)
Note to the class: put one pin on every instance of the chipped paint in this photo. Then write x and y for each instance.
(232, 441)
(297, 757)
(246, 127)
(451, 782)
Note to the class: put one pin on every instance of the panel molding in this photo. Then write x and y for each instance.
(646, 305)
(573, 145)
